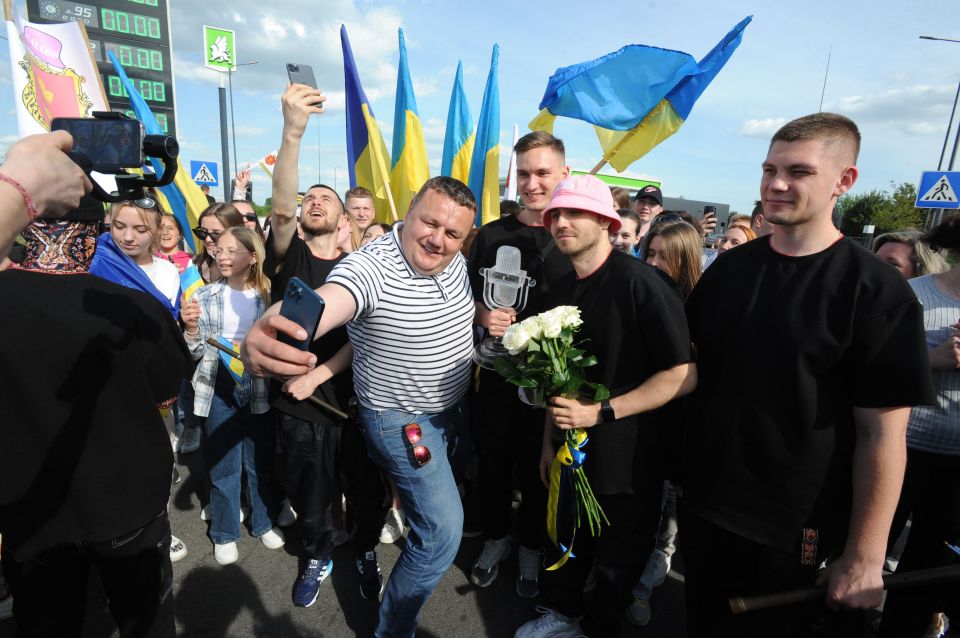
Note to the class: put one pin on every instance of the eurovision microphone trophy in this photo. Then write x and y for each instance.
(504, 286)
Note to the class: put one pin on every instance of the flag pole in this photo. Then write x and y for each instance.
(600, 164)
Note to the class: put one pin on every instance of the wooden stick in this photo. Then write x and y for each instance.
(320, 403)
(906, 580)
(600, 164)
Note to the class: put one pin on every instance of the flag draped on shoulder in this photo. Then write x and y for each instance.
(409, 170)
(53, 73)
(184, 198)
(367, 157)
(484, 178)
(459, 139)
(635, 97)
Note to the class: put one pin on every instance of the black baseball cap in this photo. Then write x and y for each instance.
(650, 192)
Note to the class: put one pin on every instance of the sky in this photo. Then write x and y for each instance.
(898, 88)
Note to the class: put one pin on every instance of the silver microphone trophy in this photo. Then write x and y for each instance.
(504, 286)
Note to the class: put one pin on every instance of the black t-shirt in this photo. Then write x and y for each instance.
(300, 262)
(633, 322)
(84, 453)
(539, 257)
(786, 347)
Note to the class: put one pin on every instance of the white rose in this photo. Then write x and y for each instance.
(550, 323)
(515, 338)
(532, 326)
(570, 316)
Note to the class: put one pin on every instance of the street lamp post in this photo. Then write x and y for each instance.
(937, 213)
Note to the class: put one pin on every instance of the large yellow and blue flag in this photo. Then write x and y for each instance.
(484, 178)
(409, 170)
(184, 197)
(367, 156)
(459, 138)
(635, 97)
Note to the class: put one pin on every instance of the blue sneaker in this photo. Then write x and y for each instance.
(308, 585)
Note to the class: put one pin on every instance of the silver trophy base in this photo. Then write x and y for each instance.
(488, 351)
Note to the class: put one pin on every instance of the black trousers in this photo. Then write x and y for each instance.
(319, 461)
(620, 552)
(931, 492)
(720, 564)
(507, 436)
(50, 590)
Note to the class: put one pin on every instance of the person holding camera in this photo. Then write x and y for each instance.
(85, 456)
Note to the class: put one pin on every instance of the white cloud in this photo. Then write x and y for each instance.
(247, 130)
(762, 128)
(920, 109)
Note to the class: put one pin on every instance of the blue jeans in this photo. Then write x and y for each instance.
(430, 500)
(238, 443)
(183, 416)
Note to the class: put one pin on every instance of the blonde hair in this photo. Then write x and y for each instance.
(229, 217)
(356, 237)
(680, 245)
(149, 216)
(248, 238)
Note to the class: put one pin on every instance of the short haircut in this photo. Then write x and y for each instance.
(621, 197)
(509, 208)
(925, 259)
(539, 139)
(359, 193)
(738, 218)
(830, 128)
(449, 187)
(329, 188)
(757, 211)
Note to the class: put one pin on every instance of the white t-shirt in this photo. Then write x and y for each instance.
(239, 312)
(165, 277)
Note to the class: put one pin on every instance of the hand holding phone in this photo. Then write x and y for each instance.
(302, 305)
(303, 74)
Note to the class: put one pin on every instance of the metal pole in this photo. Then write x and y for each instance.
(946, 138)
(224, 141)
(825, 74)
(233, 133)
(319, 156)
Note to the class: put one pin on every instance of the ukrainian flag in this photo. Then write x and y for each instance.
(484, 178)
(409, 170)
(190, 281)
(635, 97)
(459, 138)
(232, 363)
(367, 156)
(183, 197)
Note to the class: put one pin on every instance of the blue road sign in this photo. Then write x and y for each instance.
(204, 172)
(938, 189)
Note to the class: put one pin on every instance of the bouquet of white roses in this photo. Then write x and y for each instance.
(544, 362)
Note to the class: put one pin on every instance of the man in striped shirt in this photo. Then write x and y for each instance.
(408, 308)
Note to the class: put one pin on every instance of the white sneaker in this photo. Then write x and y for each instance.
(392, 527)
(638, 613)
(273, 539)
(226, 553)
(656, 569)
(190, 442)
(551, 624)
(178, 549)
(287, 515)
(206, 514)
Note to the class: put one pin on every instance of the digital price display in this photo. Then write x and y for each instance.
(138, 33)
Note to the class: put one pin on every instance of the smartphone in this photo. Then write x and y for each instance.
(302, 74)
(302, 305)
(111, 144)
(709, 210)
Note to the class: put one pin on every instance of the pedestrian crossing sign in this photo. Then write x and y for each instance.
(204, 172)
(939, 189)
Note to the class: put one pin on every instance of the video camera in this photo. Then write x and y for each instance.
(111, 142)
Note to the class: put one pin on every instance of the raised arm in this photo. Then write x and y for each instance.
(298, 103)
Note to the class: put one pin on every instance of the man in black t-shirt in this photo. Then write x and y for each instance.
(320, 453)
(497, 412)
(796, 449)
(634, 324)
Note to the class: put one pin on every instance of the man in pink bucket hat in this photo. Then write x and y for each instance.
(634, 323)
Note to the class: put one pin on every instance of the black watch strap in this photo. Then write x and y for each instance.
(606, 412)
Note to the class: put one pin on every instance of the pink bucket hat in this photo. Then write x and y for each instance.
(584, 192)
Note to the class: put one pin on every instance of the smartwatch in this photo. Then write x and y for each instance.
(606, 412)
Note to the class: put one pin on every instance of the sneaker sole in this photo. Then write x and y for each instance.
(496, 572)
(174, 557)
(383, 588)
(522, 595)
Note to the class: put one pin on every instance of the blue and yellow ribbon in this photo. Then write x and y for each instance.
(563, 507)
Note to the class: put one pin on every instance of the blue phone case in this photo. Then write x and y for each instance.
(302, 305)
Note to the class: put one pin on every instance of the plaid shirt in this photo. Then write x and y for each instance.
(251, 389)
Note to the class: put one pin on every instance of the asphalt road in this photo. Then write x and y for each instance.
(251, 598)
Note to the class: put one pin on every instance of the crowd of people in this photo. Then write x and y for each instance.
(781, 404)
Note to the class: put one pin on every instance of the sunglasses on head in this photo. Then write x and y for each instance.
(666, 219)
(203, 233)
(421, 454)
(145, 202)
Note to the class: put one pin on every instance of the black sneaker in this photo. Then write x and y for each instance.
(371, 578)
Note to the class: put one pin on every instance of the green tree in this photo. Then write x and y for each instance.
(887, 211)
(858, 210)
